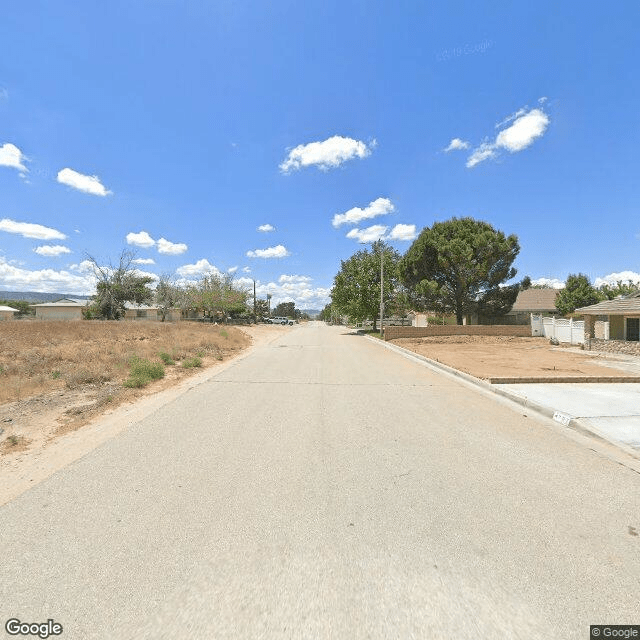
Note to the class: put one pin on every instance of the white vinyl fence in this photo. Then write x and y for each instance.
(571, 331)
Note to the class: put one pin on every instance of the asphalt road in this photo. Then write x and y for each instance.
(325, 487)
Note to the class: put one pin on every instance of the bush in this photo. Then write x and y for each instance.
(166, 358)
(142, 372)
(189, 363)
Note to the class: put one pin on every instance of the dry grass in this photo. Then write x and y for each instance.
(41, 356)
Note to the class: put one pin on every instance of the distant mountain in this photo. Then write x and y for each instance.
(311, 312)
(36, 296)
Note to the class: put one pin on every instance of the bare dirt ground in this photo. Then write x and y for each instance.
(503, 356)
(50, 428)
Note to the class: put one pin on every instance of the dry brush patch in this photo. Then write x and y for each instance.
(82, 367)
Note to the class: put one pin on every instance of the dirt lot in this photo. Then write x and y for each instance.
(49, 430)
(501, 356)
(57, 376)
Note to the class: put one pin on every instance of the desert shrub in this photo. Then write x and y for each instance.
(189, 363)
(79, 377)
(142, 372)
(166, 358)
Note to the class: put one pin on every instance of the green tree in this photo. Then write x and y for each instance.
(458, 266)
(578, 292)
(620, 288)
(219, 296)
(285, 310)
(356, 287)
(262, 308)
(117, 286)
(168, 295)
(325, 314)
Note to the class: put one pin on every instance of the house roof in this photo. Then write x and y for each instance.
(136, 307)
(535, 300)
(64, 303)
(3, 308)
(617, 306)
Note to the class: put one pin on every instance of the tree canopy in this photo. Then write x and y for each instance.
(356, 287)
(578, 292)
(117, 286)
(459, 266)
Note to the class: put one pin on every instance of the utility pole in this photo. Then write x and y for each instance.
(255, 313)
(381, 291)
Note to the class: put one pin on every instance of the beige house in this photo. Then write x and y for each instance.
(7, 313)
(141, 312)
(538, 301)
(623, 317)
(63, 309)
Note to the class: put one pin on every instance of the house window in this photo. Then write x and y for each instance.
(633, 329)
(141, 313)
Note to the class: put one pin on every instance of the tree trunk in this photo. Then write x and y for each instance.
(375, 319)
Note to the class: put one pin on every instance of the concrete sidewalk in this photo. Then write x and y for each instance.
(611, 410)
(608, 410)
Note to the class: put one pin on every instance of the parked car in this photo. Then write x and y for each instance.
(281, 320)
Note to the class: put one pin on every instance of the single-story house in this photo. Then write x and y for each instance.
(149, 312)
(7, 313)
(623, 317)
(538, 301)
(63, 309)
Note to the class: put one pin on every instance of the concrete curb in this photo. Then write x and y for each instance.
(559, 418)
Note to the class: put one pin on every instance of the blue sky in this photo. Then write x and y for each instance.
(178, 128)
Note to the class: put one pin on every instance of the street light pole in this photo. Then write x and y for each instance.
(381, 292)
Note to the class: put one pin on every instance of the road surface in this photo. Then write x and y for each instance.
(326, 487)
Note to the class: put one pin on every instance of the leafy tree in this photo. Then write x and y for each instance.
(457, 266)
(578, 292)
(285, 310)
(356, 287)
(168, 295)
(218, 296)
(117, 286)
(325, 314)
(262, 308)
(620, 288)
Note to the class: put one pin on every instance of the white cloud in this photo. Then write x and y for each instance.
(370, 234)
(284, 278)
(171, 248)
(613, 278)
(457, 144)
(554, 283)
(265, 228)
(141, 239)
(232, 269)
(328, 154)
(11, 156)
(246, 270)
(403, 232)
(481, 153)
(298, 290)
(87, 184)
(379, 207)
(523, 131)
(51, 250)
(271, 252)
(144, 261)
(45, 280)
(199, 269)
(512, 117)
(30, 230)
(527, 126)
